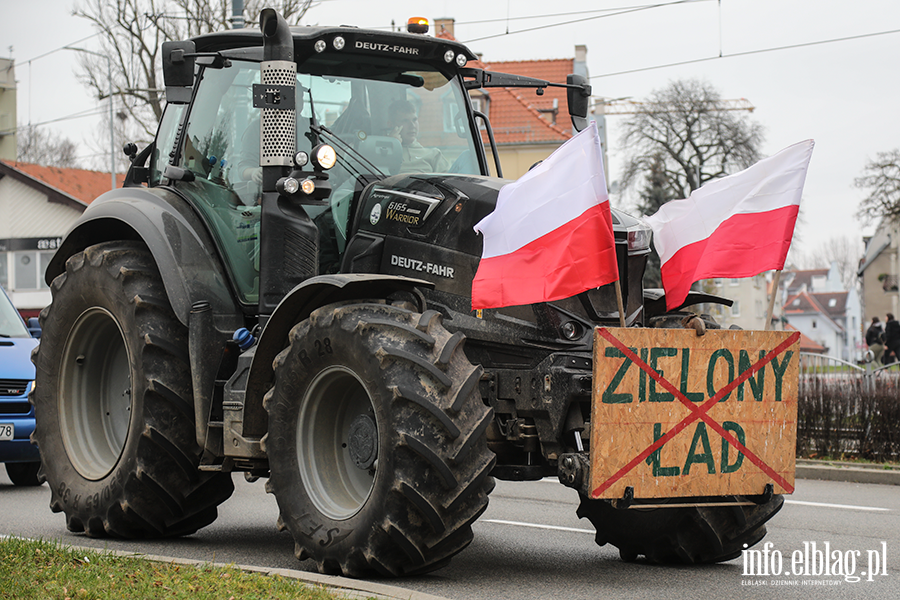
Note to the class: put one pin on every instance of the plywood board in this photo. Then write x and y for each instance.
(675, 414)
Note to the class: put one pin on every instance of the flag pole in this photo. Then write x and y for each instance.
(619, 302)
(776, 281)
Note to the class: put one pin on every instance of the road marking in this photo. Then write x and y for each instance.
(826, 505)
(576, 530)
(536, 526)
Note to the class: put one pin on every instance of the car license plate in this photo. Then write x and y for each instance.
(7, 430)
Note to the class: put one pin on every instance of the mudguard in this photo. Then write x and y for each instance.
(177, 238)
(297, 305)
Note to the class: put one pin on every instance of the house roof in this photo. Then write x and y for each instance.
(806, 343)
(804, 303)
(74, 187)
(833, 303)
(519, 115)
(804, 278)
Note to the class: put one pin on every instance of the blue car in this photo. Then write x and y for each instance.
(16, 379)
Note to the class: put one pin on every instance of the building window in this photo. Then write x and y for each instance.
(26, 275)
(814, 323)
(832, 302)
(734, 281)
(27, 272)
(736, 309)
(4, 269)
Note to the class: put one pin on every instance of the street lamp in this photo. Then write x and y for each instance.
(112, 137)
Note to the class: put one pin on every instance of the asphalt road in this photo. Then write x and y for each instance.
(529, 544)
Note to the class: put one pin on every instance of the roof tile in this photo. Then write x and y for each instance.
(78, 183)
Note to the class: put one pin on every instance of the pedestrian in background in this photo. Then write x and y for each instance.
(891, 339)
(875, 340)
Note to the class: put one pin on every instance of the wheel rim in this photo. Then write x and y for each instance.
(337, 443)
(95, 394)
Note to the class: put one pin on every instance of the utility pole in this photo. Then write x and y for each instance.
(112, 124)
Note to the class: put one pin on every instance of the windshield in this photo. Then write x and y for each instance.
(11, 325)
(382, 119)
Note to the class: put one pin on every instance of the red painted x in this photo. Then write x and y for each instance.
(697, 412)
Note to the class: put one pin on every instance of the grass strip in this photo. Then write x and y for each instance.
(43, 570)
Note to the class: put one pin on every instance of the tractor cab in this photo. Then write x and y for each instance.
(312, 116)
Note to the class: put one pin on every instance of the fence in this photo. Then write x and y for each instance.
(844, 410)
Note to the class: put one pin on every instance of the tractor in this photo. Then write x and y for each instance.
(282, 287)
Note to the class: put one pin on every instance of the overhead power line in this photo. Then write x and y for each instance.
(90, 112)
(747, 53)
(624, 11)
(626, 106)
(547, 16)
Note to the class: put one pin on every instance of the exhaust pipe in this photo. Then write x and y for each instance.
(278, 73)
(277, 41)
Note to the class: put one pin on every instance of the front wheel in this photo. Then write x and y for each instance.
(685, 535)
(376, 441)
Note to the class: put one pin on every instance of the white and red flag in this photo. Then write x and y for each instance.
(550, 236)
(737, 226)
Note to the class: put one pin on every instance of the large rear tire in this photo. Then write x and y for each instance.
(115, 419)
(376, 441)
(679, 535)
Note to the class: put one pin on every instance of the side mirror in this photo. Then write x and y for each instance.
(178, 71)
(578, 95)
(34, 327)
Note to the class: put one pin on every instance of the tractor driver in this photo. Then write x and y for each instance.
(404, 125)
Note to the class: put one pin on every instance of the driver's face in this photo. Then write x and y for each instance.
(409, 127)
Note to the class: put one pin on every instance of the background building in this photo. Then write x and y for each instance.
(7, 109)
(817, 304)
(878, 272)
(39, 205)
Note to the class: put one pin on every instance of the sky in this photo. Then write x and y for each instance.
(778, 54)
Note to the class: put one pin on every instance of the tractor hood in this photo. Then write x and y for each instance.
(422, 225)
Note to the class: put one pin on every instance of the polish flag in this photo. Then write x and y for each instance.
(550, 236)
(738, 226)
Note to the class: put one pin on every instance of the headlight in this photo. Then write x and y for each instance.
(308, 186)
(639, 237)
(324, 156)
(571, 330)
(287, 185)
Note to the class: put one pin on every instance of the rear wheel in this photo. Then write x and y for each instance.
(679, 535)
(24, 473)
(115, 420)
(376, 441)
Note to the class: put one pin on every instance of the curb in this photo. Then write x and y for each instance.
(848, 472)
(341, 586)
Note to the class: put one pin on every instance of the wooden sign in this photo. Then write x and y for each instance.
(675, 414)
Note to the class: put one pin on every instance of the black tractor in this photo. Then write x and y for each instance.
(283, 287)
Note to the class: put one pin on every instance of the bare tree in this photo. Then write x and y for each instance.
(698, 142)
(841, 250)
(41, 146)
(131, 34)
(881, 177)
